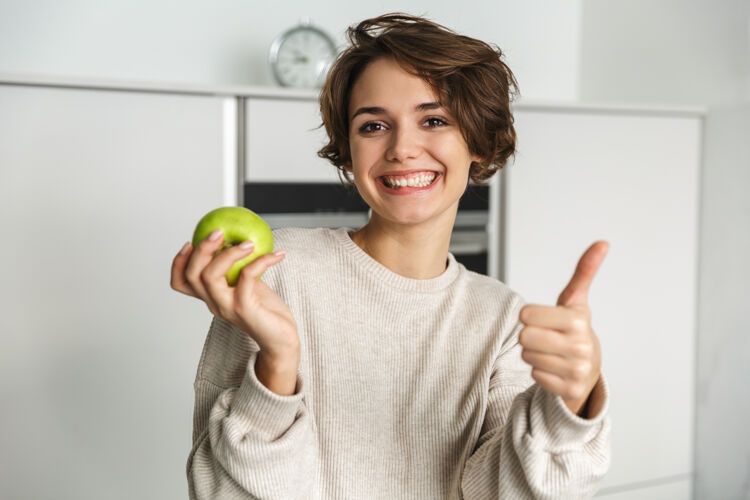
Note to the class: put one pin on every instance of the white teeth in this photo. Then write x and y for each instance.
(417, 181)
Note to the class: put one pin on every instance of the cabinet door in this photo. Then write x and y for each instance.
(633, 181)
(283, 138)
(99, 191)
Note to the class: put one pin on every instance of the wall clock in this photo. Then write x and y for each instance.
(301, 56)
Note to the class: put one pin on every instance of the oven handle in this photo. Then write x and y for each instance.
(468, 242)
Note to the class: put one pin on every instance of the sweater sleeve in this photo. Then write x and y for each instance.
(248, 442)
(531, 444)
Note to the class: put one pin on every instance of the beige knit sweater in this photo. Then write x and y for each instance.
(406, 389)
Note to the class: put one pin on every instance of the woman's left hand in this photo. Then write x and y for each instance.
(558, 341)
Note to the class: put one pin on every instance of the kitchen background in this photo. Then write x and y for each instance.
(95, 427)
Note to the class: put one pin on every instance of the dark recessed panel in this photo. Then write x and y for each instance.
(474, 262)
(290, 197)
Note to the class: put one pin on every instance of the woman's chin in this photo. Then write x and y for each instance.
(409, 219)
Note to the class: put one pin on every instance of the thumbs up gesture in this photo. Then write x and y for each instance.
(558, 341)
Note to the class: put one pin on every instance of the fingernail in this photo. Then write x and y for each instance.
(247, 245)
(279, 253)
(185, 248)
(215, 235)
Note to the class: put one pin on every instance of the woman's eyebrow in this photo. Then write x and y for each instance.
(377, 110)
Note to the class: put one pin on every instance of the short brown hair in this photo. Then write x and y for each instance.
(467, 74)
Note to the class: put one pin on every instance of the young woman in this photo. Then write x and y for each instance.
(370, 363)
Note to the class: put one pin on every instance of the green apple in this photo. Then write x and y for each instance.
(238, 224)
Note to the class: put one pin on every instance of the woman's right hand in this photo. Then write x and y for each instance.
(250, 305)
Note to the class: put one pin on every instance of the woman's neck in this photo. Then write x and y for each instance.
(413, 251)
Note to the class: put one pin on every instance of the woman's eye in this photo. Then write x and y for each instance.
(435, 122)
(368, 127)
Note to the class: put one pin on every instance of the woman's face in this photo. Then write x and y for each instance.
(399, 134)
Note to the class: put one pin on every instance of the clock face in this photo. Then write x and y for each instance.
(301, 57)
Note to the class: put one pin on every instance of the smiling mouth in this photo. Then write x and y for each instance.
(421, 180)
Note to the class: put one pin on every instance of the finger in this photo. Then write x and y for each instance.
(202, 256)
(250, 299)
(576, 293)
(561, 318)
(545, 340)
(214, 275)
(256, 268)
(177, 277)
(553, 383)
(252, 272)
(550, 363)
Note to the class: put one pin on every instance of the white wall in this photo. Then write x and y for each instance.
(666, 52)
(227, 41)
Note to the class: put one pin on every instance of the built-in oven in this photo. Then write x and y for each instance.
(316, 204)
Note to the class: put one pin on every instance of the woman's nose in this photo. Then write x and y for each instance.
(404, 145)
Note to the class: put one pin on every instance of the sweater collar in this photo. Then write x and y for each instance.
(388, 277)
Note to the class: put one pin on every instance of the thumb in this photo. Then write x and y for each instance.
(577, 291)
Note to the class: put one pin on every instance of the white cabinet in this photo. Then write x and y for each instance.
(630, 179)
(99, 190)
(282, 141)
